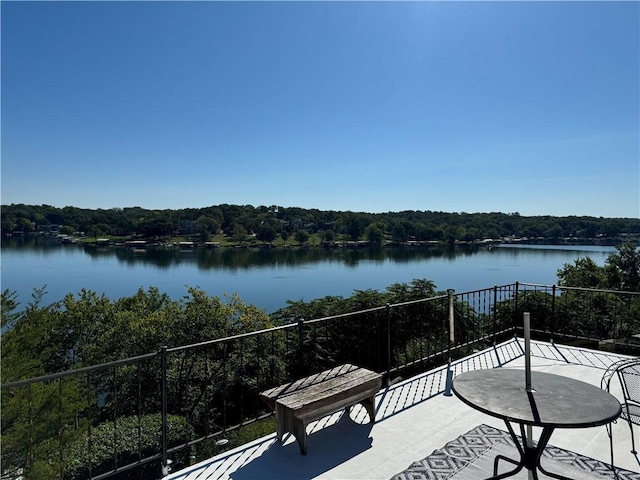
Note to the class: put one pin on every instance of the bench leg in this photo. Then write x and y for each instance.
(370, 405)
(300, 432)
(282, 421)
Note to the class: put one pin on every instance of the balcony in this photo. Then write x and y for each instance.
(193, 412)
(414, 418)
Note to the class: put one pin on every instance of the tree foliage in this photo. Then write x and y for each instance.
(621, 271)
(88, 329)
(595, 312)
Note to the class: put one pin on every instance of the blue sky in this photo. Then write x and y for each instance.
(362, 106)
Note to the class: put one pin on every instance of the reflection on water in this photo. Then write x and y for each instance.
(243, 258)
(268, 277)
(252, 258)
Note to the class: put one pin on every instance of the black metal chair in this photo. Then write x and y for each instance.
(628, 373)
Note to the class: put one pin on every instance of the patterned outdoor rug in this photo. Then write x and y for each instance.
(470, 457)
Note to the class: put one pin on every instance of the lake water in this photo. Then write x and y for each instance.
(267, 278)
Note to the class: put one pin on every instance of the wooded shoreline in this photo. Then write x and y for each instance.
(248, 226)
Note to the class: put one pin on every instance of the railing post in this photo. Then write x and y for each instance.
(514, 319)
(452, 325)
(165, 429)
(388, 344)
(300, 344)
(553, 312)
(61, 430)
(495, 321)
(452, 339)
(495, 304)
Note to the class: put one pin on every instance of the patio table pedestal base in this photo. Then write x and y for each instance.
(529, 456)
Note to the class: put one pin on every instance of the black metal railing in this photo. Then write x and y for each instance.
(140, 417)
(571, 314)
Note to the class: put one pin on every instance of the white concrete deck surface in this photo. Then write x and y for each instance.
(413, 418)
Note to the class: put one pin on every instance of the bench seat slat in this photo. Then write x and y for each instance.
(320, 409)
(319, 393)
(289, 388)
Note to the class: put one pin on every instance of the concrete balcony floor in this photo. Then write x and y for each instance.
(414, 417)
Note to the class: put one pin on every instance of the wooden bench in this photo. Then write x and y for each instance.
(301, 402)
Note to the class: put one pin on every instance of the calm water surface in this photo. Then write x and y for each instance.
(268, 278)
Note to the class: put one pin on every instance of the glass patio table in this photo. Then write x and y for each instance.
(553, 402)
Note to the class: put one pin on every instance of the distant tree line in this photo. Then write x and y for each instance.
(269, 223)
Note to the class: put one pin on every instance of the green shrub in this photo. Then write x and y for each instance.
(122, 440)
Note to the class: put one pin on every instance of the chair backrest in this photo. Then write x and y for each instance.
(629, 375)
